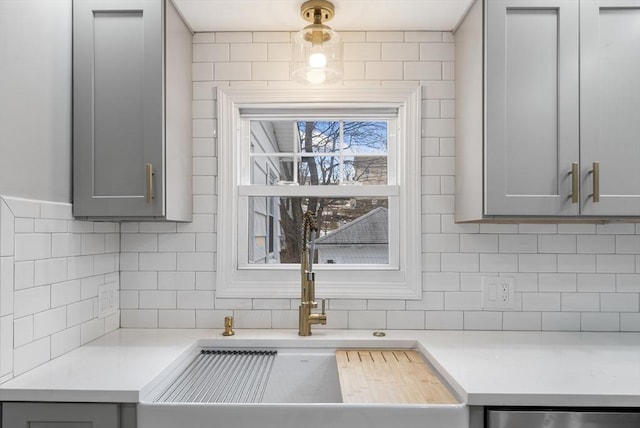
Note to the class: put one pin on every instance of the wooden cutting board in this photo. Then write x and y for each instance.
(389, 376)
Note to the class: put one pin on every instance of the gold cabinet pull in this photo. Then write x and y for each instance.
(596, 181)
(149, 176)
(575, 178)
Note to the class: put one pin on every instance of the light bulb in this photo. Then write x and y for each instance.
(316, 76)
(317, 59)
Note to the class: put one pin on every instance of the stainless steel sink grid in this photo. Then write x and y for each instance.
(222, 376)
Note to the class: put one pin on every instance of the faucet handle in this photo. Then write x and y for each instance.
(324, 304)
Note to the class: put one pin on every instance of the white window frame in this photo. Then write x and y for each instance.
(401, 279)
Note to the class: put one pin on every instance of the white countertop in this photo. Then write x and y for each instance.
(483, 368)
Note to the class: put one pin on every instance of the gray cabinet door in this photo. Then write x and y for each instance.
(60, 415)
(610, 105)
(531, 106)
(118, 107)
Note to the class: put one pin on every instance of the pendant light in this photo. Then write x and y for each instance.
(317, 51)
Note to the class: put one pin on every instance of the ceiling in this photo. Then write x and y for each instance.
(351, 15)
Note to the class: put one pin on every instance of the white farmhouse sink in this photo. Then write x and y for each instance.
(302, 391)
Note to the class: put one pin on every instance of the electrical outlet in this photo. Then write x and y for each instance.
(108, 299)
(498, 292)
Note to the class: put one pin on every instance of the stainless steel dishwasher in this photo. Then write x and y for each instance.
(562, 418)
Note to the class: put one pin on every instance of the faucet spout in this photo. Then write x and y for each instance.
(306, 318)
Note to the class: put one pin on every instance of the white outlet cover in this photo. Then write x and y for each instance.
(498, 293)
(108, 299)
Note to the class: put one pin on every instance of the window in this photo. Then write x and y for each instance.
(350, 156)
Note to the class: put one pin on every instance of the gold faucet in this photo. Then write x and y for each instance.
(308, 280)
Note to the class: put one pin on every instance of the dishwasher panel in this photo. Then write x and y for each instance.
(551, 418)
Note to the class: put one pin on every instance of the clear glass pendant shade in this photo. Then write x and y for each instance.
(317, 55)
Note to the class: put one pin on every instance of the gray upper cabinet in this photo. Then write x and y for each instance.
(610, 106)
(542, 88)
(132, 110)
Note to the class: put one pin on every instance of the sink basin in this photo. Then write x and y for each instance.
(302, 389)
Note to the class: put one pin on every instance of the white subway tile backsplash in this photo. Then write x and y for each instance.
(462, 301)
(31, 300)
(596, 244)
(557, 244)
(561, 321)
(440, 281)
(47, 225)
(176, 281)
(522, 321)
(232, 71)
(626, 282)
(437, 51)
(518, 243)
(596, 282)
(615, 229)
(195, 300)
(482, 320)
(543, 302)
(284, 319)
(460, 262)
(24, 225)
(91, 330)
(64, 293)
(6, 285)
(50, 270)
(158, 299)
(277, 71)
(80, 312)
(208, 52)
(405, 320)
(215, 318)
(580, 302)
(444, 320)
(384, 70)
(139, 318)
(49, 322)
(31, 355)
(620, 302)
(627, 244)
(630, 322)
(362, 51)
(252, 318)
(498, 263)
(65, 341)
(557, 282)
(23, 275)
(157, 261)
(581, 263)
(367, 320)
(22, 331)
(615, 263)
(32, 246)
(601, 321)
(396, 51)
(202, 71)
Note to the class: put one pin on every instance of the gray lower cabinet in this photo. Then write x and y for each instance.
(67, 415)
(548, 109)
(132, 110)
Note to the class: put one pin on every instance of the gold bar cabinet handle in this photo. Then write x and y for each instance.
(575, 178)
(596, 181)
(149, 177)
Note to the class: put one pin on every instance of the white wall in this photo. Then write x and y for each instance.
(35, 99)
(568, 277)
(50, 264)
